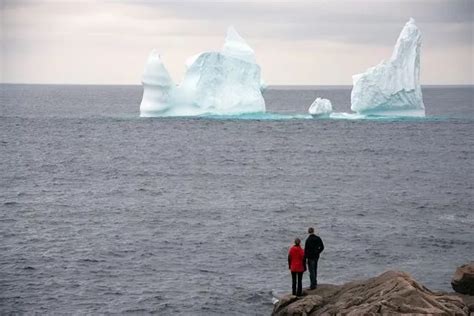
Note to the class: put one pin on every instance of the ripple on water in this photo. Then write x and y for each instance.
(195, 216)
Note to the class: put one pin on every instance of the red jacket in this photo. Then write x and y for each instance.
(296, 262)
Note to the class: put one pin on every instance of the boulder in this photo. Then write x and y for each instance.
(468, 300)
(292, 305)
(389, 293)
(463, 279)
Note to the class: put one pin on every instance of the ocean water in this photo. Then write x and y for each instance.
(106, 212)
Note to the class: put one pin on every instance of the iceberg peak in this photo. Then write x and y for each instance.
(235, 46)
(408, 43)
(157, 85)
(393, 87)
(155, 72)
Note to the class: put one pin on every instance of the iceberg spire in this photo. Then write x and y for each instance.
(393, 86)
(235, 46)
(157, 86)
(155, 72)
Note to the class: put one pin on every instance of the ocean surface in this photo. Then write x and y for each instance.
(106, 212)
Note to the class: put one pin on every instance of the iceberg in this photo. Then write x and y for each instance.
(235, 46)
(216, 83)
(320, 107)
(158, 86)
(393, 87)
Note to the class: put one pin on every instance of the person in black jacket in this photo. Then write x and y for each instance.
(312, 249)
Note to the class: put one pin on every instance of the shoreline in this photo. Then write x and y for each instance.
(392, 292)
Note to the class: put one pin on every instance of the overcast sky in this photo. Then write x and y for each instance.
(296, 42)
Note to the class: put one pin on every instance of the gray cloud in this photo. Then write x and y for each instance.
(363, 22)
(46, 33)
(335, 11)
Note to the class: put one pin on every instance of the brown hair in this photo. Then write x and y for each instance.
(297, 241)
(311, 230)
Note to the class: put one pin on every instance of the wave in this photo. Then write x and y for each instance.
(272, 116)
(269, 116)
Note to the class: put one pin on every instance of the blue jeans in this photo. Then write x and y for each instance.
(313, 272)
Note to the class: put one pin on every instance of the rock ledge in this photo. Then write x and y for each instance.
(391, 293)
(463, 279)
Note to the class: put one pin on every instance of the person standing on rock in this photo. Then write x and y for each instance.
(297, 265)
(312, 249)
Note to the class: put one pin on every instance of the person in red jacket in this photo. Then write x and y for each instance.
(297, 265)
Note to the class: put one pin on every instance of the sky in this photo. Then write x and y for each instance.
(298, 42)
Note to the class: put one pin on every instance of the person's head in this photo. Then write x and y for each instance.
(311, 230)
(297, 241)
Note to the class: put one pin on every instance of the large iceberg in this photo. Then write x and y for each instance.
(219, 83)
(393, 87)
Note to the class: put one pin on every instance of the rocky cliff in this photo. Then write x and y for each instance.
(391, 293)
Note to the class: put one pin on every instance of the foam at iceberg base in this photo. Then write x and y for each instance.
(215, 83)
(320, 107)
(393, 87)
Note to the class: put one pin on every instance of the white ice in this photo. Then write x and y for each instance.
(393, 87)
(320, 107)
(158, 87)
(217, 83)
(235, 46)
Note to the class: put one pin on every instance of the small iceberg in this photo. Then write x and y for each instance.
(227, 82)
(320, 108)
(392, 88)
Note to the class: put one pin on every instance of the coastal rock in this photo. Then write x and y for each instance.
(293, 305)
(468, 300)
(391, 293)
(463, 279)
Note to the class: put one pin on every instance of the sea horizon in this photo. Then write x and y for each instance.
(269, 87)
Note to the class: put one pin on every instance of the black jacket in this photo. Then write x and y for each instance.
(313, 247)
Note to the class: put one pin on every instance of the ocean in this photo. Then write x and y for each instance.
(106, 212)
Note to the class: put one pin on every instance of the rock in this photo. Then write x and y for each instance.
(286, 300)
(292, 305)
(389, 293)
(463, 279)
(468, 300)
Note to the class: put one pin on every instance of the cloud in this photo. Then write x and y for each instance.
(89, 40)
(360, 21)
(339, 20)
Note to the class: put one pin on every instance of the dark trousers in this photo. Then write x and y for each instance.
(300, 283)
(313, 272)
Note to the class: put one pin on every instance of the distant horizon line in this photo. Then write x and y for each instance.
(268, 87)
